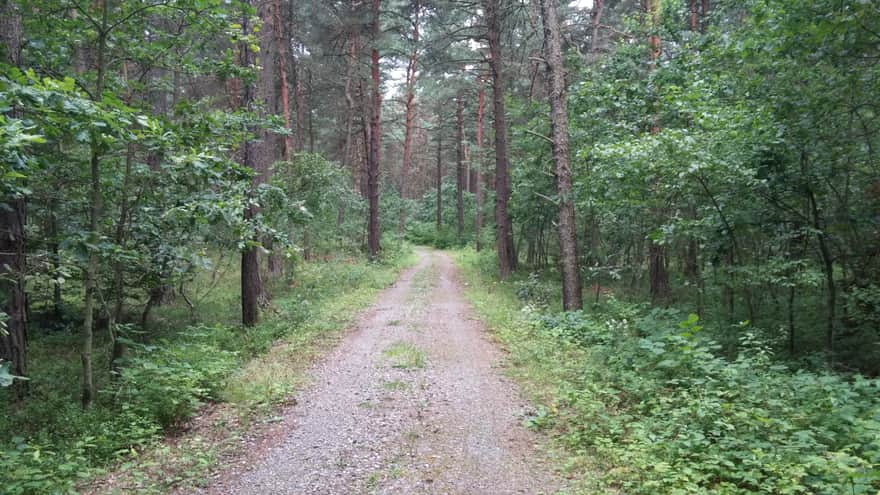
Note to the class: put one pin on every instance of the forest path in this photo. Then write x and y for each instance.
(411, 402)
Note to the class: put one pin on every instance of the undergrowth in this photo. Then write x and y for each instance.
(51, 445)
(642, 401)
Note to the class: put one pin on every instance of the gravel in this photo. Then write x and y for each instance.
(370, 424)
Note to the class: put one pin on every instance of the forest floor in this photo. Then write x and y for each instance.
(412, 401)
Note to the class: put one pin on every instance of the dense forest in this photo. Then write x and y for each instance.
(669, 211)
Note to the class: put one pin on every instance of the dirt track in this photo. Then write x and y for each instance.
(411, 402)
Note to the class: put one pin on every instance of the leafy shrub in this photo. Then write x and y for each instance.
(31, 469)
(168, 382)
(671, 416)
(426, 234)
(534, 291)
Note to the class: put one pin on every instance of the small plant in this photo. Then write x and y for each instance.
(404, 355)
(395, 385)
(534, 291)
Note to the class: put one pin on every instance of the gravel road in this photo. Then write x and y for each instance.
(411, 402)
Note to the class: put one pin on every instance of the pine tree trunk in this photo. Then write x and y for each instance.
(504, 226)
(251, 285)
(568, 256)
(13, 258)
(459, 170)
(481, 106)
(375, 142)
(410, 114)
(282, 73)
(439, 173)
(657, 270)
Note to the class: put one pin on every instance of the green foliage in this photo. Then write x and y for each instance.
(163, 383)
(535, 291)
(167, 381)
(646, 395)
(426, 234)
(422, 226)
(30, 469)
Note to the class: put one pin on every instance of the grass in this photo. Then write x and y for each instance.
(395, 385)
(425, 280)
(243, 377)
(404, 355)
(642, 400)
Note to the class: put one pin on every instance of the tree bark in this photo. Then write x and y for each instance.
(459, 169)
(347, 158)
(299, 95)
(657, 270)
(251, 284)
(827, 262)
(375, 142)
(410, 114)
(705, 14)
(504, 226)
(568, 258)
(96, 206)
(478, 187)
(439, 173)
(596, 22)
(13, 256)
(282, 73)
(118, 347)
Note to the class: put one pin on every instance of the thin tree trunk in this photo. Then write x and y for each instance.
(410, 114)
(705, 12)
(13, 211)
(596, 21)
(791, 325)
(657, 270)
(827, 265)
(118, 347)
(367, 138)
(459, 170)
(375, 142)
(481, 106)
(55, 250)
(567, 226)
(299, 94)
(504, 241)
(282, 73)
(306, 103)
(95, 212)
(251, 285)
(439, 174)
(347, 157)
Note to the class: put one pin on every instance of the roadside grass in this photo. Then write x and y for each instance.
(197, 379)
(544, 367)
(643, 401)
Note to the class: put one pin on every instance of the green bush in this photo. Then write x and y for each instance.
(535, 291)
(645, 402)
(168, 382)
(671, 416)
(29, 469)
(426, 234)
